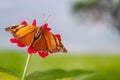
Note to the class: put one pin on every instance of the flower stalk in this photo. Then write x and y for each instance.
(26, 67)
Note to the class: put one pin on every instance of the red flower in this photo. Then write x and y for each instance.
(43, 54)
(34, 23)
(24, 23)
(45, 26)
(19, 44)
(31, 50)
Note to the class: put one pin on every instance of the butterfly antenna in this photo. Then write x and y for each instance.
(47, 18)
(42, 21)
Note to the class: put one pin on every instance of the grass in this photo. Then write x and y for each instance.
(107, 66)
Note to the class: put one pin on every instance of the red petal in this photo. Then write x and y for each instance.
(31, 50)
(45, 27)
(58, 36)
(19, 44)
(24, 23)
(34, 23)
(13, 40)
(43, 54)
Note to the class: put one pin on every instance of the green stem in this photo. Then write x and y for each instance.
(26, 67)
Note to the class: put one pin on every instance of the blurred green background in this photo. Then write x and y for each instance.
(107, 67)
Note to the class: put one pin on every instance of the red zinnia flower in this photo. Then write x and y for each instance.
(31, 50)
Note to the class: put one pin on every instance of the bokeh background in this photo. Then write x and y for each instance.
(90, 31)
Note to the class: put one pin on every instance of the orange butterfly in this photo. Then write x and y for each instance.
(39, 38)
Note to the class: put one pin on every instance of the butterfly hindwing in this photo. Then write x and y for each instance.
(40, 43)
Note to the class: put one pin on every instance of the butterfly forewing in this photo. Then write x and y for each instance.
(50, 40)
(27, 39)
(25, 31)
(25, 34)
(60, 46)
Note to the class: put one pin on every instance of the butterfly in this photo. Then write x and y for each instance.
(37, 37)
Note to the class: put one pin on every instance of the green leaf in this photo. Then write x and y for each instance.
(6, 74)
(57, 74)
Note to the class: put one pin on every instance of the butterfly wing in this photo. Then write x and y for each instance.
(48, 42)
(40, 43)
(27, 39)
(25, 34)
